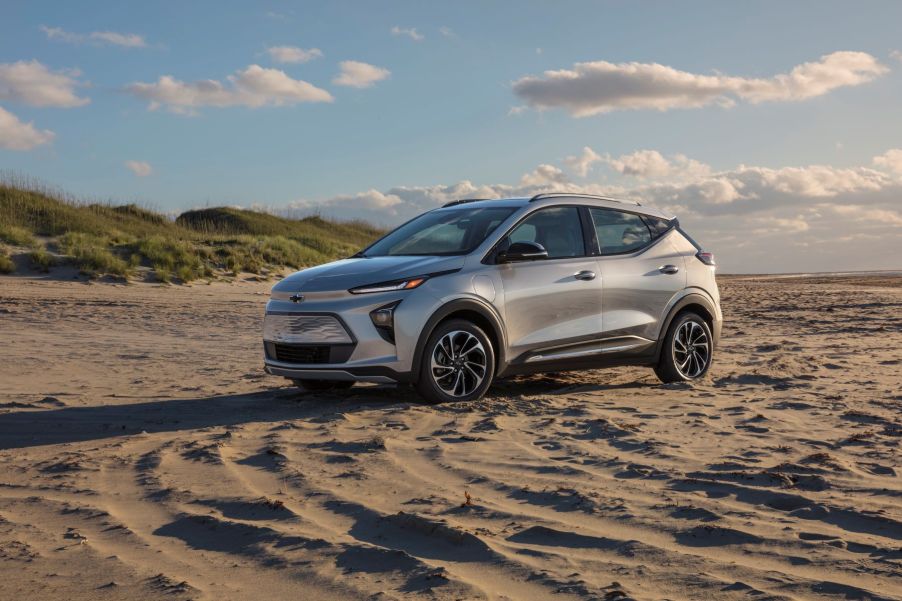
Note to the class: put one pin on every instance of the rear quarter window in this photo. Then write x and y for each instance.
(656, 225)
(619, 232)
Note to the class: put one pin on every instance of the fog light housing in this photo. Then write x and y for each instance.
(384, 320)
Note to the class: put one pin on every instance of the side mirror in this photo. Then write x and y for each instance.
(523, 251)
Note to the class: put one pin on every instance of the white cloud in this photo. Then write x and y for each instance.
(749, 189)
(363, 205)
(411, 33)
(865, 214)
(583, 162)
(769, 226)
(891, 159)
(359, 75)
(371, 199)
(126, 40)
(687, 168)
(253, 87)
(16, 135)
(129, 40)
(517, 110)
(642, 163)
(896, 54)
(542, 175)
(598, 87)
(816, 181)
(650, 164)
(139, 168)
(293, 54)
(447, 32)
(32, 83)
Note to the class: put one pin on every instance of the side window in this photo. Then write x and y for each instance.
(657, 225)
(619, 232)
(557, 229)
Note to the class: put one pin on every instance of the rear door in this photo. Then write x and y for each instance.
(557, 300)
(641, 270)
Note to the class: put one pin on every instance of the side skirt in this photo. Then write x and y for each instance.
(612, 352)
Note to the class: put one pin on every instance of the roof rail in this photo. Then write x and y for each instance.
(462, 201)
(580, 195)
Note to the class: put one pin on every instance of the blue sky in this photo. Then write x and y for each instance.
(448, 104)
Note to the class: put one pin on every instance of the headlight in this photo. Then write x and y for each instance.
(407, 284)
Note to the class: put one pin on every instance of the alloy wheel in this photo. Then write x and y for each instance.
(691, 349)
(458, 363)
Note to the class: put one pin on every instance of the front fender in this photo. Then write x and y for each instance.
(468, 304)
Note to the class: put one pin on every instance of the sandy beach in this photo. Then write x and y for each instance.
(144, 454)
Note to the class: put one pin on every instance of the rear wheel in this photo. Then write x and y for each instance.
(458, 363)
(687, 350)
(323, 385)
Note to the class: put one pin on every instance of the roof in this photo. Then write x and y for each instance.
(487, 202)
(557, 198)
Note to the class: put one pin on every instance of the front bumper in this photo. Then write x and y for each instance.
(332, 337)
(374, 374)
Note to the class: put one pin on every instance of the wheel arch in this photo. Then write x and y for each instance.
(479, 312)
(692, 302)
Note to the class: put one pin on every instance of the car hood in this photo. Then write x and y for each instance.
(349, 273)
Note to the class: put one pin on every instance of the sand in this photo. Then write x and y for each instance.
(144, 454)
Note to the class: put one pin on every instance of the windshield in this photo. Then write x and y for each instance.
(450, 232)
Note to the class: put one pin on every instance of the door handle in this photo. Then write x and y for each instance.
(584, 275)
(669, 269)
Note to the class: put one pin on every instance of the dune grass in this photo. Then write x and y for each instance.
(18, 236)
(129, 240)
(41, 260)
(92, 254)
(6, 263)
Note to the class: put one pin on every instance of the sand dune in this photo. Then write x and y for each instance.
(145, 455)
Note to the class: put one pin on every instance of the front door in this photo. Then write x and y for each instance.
(554, 301)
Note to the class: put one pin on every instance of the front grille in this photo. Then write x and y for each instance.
(290, 353)
(304, 328)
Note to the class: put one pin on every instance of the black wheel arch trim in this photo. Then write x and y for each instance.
(483, 308)
(693, 298)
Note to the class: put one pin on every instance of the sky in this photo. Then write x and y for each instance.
(772, 130)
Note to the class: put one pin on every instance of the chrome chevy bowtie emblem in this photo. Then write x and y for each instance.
(296, 298)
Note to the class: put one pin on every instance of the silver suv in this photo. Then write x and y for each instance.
(482, 289)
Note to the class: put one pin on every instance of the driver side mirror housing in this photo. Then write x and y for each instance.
(522, 251)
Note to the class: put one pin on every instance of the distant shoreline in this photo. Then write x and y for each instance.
(813, 274)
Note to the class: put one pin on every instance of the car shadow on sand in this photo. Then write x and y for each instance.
(29, 428)
(58, 425)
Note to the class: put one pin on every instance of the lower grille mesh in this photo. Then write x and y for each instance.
(290, 353)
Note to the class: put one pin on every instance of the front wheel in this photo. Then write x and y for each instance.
(458, 363)
(687, 350)
(323, 385)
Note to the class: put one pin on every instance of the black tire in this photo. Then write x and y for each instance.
(433, 386)
(323, 385)
(682, 362)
